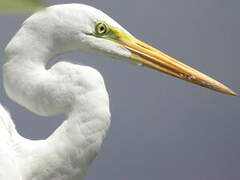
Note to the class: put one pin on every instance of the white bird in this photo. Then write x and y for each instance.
(75, 91)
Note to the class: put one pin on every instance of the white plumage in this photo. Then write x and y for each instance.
(75, 91)
(8, 167)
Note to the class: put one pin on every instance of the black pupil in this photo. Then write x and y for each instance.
(102, 28)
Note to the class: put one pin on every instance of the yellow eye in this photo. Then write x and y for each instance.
(101, 28)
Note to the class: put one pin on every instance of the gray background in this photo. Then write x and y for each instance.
(162, 128)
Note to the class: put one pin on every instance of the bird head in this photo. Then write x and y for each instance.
(90, 30)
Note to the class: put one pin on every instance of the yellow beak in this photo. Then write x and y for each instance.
(155, 59)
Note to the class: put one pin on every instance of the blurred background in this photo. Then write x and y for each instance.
(162, 128)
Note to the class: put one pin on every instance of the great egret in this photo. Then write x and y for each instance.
(76, 91)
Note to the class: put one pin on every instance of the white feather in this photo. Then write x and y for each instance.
(76, 91)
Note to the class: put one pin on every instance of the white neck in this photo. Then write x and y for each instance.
(76, 91)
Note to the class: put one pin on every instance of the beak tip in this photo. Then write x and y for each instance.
(230, 92)
(233, 93)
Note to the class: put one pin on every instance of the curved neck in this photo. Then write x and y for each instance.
(24, 71)
(76, 91)
(31, 47)
(74, 145)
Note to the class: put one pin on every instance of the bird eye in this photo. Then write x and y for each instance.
(101, 28)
